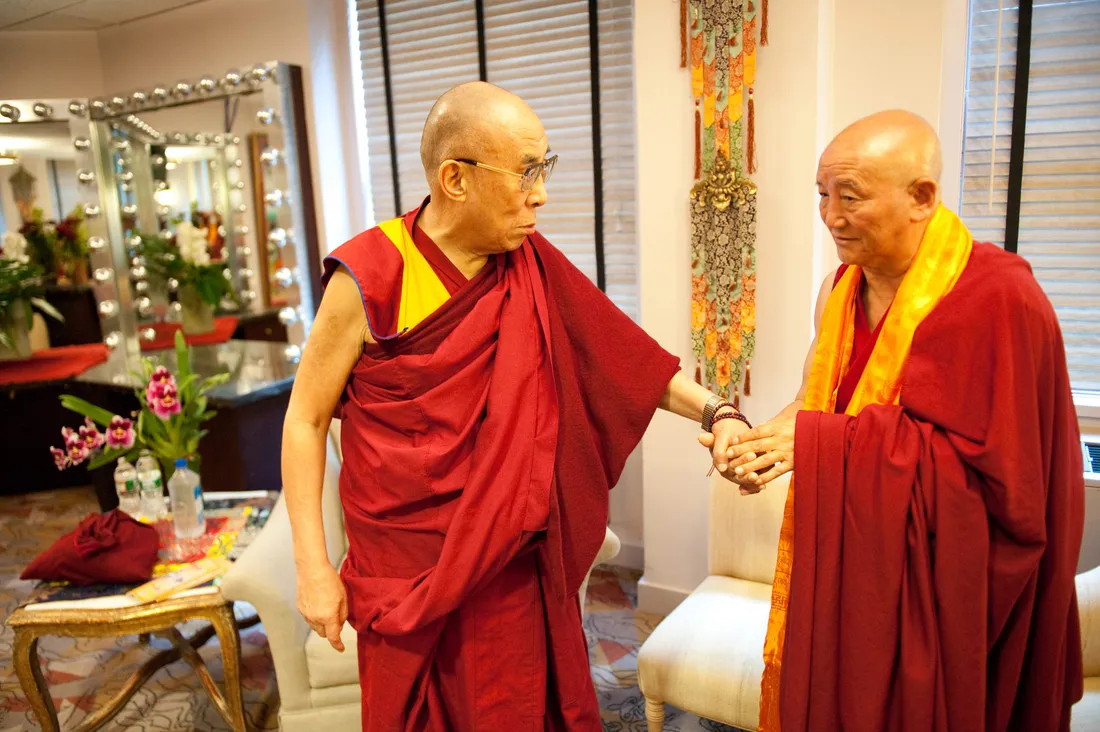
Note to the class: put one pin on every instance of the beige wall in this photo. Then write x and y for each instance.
(49, 65)
(829, 62)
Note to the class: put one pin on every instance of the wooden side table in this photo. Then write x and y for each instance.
(154, 619)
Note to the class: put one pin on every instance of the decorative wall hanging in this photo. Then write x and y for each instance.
(718, 41)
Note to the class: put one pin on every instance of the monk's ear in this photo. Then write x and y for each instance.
(925, 194)
(453, 181)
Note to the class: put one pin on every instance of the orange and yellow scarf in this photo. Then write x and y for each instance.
(940, 260)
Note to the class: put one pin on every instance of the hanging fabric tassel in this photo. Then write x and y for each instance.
(698, 373)
(683, 33)
(736, 399)
(763, 39)
(750, 141)
(748, 379)
(698, 152)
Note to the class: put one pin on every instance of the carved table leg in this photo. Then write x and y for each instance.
(225, 625)
(32, 681)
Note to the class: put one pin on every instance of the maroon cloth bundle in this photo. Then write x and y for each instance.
(105, 547)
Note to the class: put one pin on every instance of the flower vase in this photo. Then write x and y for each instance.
(15, 325)
(195, 315)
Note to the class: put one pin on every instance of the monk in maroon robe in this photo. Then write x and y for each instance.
(490, 396)
(926, 572)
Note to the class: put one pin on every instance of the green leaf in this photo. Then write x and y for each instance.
(183, 356)
(97, 414)
(47, 309)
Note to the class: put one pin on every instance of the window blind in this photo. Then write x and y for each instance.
(1059, 215)
(540, 51)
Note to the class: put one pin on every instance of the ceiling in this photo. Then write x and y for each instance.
(79, 15)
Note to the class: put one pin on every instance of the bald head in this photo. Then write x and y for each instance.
(470, 121)
(897, 145)
(879, 186)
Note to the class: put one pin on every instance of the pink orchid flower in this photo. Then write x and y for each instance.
(91, 437)
(120, 433)
(167, 402)
(77, 453)
(71, 437)
(161, 375)
(60, 458)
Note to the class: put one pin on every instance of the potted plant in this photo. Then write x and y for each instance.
(168, 424)
(21, 292)
(59, 247)
(185, 258)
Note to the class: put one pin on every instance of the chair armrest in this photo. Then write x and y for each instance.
(1088, 606)
(264, 575)
(608, 551)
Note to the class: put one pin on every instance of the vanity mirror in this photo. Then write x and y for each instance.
(52, 210)
(196, 199)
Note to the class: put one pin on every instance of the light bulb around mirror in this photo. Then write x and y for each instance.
(137, 272)
(173, 284)
(142, 286)
(271, 157)
(95, 243)
(292, 353)
(278, 237)
(148, 334)
(288, 315)
(108, 308)
(166, 197)
(284, 277)
(113, 339)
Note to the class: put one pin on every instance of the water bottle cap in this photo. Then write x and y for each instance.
(181, 462)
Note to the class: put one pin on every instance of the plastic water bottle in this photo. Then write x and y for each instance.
(185, 492)
(126, 486)
(152, 488)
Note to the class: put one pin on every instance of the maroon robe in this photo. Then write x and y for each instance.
(936, 541)
(478, 451)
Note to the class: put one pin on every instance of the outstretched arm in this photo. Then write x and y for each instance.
(761, 455)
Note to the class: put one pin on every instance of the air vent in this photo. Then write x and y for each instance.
(1090, 449)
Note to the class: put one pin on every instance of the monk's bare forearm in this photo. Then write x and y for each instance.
(685, 398)
(304, 451)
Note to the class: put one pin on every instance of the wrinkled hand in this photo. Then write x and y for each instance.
(323, 602)
(720, 444)
(762, 454)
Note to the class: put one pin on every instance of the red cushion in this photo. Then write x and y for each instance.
(105, 547)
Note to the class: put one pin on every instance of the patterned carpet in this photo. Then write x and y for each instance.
(82, 673)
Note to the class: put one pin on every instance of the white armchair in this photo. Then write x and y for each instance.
(1086, 714)
(318, 687)
(706, 657)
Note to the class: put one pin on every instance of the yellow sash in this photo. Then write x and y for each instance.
(422, 292)
(943, 255)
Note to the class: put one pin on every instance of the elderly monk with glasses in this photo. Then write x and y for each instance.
(490, 396)
(934, 519)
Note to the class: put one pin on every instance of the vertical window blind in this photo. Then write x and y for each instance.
(544, 53)
(1031, 154)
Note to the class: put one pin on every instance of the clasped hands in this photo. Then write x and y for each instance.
(751, 458)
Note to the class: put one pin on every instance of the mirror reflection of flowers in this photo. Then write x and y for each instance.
(22, 290)
(185, 256)
(60, 248)
(169, 422)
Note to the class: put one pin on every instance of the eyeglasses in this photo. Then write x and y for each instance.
(528, 177)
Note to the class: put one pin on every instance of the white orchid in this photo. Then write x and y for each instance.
(13, 245)
(192, 244)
